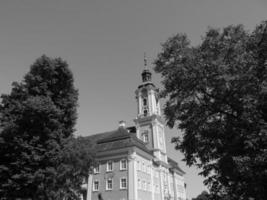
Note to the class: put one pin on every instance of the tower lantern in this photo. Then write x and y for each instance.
(146, 75)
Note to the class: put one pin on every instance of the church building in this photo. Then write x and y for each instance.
(133, 161)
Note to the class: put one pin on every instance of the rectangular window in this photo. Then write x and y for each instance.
(143, 168)
(145, 137)
(145, 188)
(139, 184)
(109, 166)
(123, 164)
(109, 184)
(157, 174)
(96, 186)
(157, 188)
(180, 189)
(143, 185)
(96, 169)
(148, 169)
(148, 186)
(123, 183)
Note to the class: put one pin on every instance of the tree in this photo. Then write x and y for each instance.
(40, 158)
(203, 196)
(216, 93)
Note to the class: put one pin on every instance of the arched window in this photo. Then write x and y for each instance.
(145, 112)
(145, 102)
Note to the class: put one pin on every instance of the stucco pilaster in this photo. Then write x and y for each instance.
(161, 183)
(132, 177)
(89, 187)
(139, 105)
(174, 187)
(152, 182)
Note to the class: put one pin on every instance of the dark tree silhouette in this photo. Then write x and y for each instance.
(40, 159)
(203, 196)
(216, 94)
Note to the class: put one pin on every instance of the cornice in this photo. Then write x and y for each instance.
(148, 119)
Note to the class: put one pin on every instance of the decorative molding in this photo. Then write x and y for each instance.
(132, 157)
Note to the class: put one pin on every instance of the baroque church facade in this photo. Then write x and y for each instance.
(133, 161)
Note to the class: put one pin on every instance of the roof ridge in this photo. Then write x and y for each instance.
(100, 133)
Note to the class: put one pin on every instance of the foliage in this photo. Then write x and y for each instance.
(40, 159)
(217, 95)
(203, 196)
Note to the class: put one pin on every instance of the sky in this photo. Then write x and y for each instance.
(104, 42)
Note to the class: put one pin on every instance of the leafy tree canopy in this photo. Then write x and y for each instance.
(217, 95)
(203, 196)
(40, 158)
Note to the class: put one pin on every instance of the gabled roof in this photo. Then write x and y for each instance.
(123, 138)
(119, 134)
(117, 139)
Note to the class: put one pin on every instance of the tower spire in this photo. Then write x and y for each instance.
(145, 60)
(146, 74)
(150, 126)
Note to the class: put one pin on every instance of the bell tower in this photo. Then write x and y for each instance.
(149, 123)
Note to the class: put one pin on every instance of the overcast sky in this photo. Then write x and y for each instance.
(104, 41)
